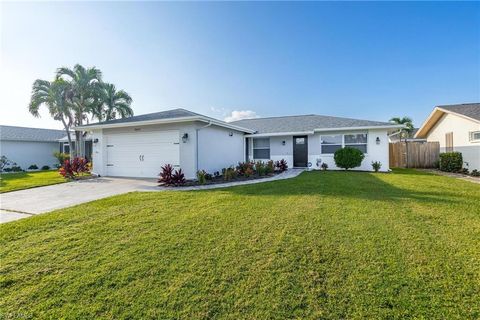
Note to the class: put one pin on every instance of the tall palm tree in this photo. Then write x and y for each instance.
(84, 87)
(112, 103)
(406, 121)
(54, 96)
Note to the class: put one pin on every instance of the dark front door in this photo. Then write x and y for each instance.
(300, 151)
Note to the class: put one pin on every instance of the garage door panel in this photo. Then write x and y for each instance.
(142, 154)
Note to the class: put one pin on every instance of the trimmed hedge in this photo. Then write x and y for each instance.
(348, 158)
(451, 161)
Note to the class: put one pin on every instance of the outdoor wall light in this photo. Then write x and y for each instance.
(377, 140)
(283, 142)
(95, 140)
(185, 137)
(230, 134)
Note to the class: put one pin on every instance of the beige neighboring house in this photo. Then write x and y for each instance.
(457, 128)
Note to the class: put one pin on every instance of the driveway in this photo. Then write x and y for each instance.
(18, 204)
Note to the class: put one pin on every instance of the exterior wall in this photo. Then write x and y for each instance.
(26, 153)
(217, 149)
(375, 152)
(461, 129)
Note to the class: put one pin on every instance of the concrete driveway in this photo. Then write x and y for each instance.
(24, 203)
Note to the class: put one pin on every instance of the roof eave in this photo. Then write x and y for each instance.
(273, 134)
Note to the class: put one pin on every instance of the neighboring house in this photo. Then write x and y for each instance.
(138, 146)
(397, 136)
(456, 128)
(65, 146)
(27, 146)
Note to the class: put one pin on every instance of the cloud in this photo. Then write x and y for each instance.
(236, 115)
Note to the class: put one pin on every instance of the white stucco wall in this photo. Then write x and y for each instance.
(217, 149)
(26, 153)
(461, 129)
(375, 152)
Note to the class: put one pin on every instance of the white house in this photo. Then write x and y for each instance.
(28, 146)
(456, 128)
(138, 146)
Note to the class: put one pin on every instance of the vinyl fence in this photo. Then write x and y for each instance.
(414, 154)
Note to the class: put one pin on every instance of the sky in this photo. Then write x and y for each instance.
(365, 60)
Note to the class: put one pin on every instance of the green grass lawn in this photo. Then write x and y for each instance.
(26, 180)
(334, 245)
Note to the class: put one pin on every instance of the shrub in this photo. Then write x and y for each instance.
(281, 165)
(245, 168)
(61, 157)
(16, 169)
(45, 168)
(33, 167)
(201, 176)
(178, 178)
(376, 165)
(7, 170)
(451, 161)
(348, 158)
(216, 174)
(5, 162)
(71, 169)
(260, 168)
(166, 175)
(229, 173)
(475, 173)
(324, 166)
(464, 171)
(270, 167)
(208, 176)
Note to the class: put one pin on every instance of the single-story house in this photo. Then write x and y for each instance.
(28, 146)
(456, 128)
(138, 146)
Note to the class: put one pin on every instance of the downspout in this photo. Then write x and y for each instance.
(196, 144)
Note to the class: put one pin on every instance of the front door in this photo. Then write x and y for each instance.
(300, 151)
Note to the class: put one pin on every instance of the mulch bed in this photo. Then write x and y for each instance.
(220, 180)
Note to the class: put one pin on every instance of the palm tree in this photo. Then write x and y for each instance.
(54, 96)
(112, 103)
(406, 121)
(83, 88)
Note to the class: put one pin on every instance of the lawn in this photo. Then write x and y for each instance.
(26, 180)
(332, 245)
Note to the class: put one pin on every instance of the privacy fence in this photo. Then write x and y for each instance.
(414, 154)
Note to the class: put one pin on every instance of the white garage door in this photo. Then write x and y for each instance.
(141, 154)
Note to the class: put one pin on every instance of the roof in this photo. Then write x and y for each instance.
(470, 111)
(168, 116)
(30, 134)
(307, 123)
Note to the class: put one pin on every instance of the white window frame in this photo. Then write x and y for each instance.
(343, 144)
(260, 148)
(472, 134)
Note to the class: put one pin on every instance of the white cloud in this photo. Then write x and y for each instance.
(236, 115)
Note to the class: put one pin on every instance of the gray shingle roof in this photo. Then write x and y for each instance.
(30, 134)
(304, 123)
(169, 114)
(471, 110)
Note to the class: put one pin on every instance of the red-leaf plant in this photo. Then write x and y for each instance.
(74, 168)
(281, 165)
(168, 177)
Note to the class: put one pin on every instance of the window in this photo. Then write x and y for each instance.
(330, 144)
(475, 136)
(261, 148)
(358, 141)
(66, 148)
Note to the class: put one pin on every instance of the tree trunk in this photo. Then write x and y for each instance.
(69, 137)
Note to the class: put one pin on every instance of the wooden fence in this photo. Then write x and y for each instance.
(413, 154)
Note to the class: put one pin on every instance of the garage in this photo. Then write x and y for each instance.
(141, 154)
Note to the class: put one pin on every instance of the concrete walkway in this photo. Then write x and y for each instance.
(24, 203)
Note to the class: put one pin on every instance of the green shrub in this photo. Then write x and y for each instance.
(33, 167)
(260, 167)
(348, 158)
(270, 167)
(475, 173)
(376, 165)
(229, 173)
(61, 157)
(451, 161)
(45, 168)
(324, 166)
(201, 176)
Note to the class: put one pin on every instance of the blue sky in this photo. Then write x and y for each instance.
(361, 60)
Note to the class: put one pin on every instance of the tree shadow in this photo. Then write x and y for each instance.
(359, 185)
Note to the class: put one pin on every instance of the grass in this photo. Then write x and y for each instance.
(26, 180)
(331, 245)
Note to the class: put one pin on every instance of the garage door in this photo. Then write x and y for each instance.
(142, 154)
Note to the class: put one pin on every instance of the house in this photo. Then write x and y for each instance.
(456, 128)
(401, 135)
(27, 146)
(65, 146)
(138, 146)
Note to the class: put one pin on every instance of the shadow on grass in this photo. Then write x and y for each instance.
(360, 185)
